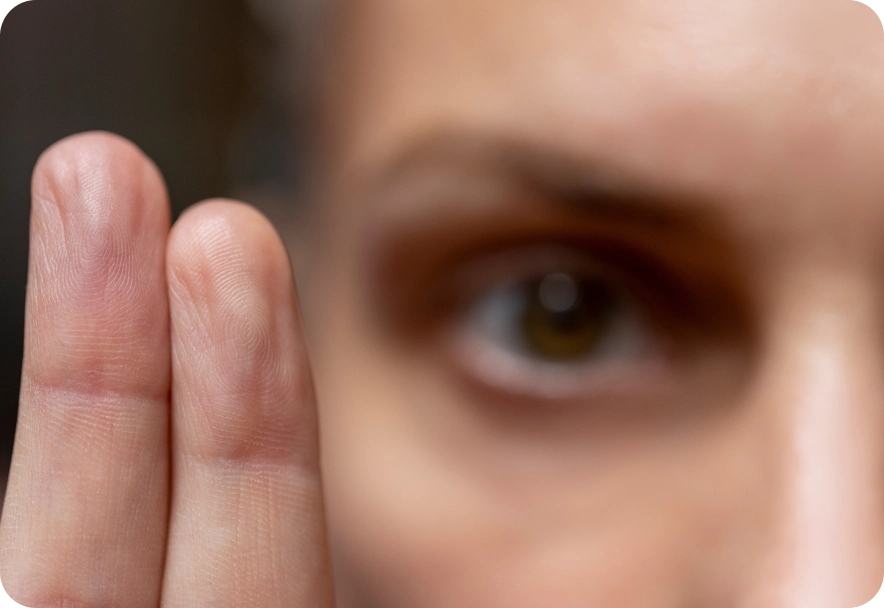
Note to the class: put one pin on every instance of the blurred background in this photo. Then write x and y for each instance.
(207, 88)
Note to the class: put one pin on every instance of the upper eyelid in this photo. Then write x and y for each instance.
(616, 265)
(458, 281)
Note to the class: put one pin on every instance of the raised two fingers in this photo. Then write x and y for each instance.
(103, 507)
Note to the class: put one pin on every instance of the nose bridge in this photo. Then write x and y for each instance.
(821, 387)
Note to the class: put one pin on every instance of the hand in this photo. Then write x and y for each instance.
(166, 451)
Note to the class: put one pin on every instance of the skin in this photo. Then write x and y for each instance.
(718, 163)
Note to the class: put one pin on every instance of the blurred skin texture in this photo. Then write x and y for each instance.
(594, 313)
(719, 164)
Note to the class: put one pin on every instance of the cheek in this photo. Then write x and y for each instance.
(433, 506)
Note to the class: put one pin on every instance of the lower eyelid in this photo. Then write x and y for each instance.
(492, 367)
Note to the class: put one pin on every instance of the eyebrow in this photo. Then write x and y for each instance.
(586, 188)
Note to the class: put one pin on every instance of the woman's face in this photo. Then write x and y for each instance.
(598, 316)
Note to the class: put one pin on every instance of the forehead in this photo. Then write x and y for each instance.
(729, 98)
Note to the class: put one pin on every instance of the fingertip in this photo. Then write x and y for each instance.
(99, 223)
(235, 329)
(96, 175)
(220, 236)
(242, 219)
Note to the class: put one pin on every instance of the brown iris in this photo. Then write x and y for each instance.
(567, 317)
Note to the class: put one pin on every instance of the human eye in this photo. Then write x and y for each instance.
(567, 323)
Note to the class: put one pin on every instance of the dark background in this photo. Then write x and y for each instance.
(194, 83)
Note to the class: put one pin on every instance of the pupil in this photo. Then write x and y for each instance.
(559, 292)
(567, 317)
